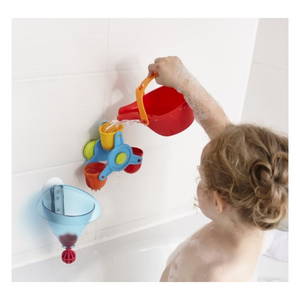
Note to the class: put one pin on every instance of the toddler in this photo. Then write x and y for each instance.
(243, 187)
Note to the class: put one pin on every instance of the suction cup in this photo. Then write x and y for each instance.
(51, 182)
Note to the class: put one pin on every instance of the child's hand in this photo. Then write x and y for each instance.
(168, 69)
(172, 73)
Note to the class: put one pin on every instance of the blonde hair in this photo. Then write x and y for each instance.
(248, 166)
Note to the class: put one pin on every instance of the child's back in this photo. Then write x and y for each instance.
(209, 256)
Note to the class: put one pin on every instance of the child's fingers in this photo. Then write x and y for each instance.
(152, 68)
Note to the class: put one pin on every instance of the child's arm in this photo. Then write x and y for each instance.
(207, 111)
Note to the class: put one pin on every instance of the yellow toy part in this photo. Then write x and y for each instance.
(88, 150)
(107, 133)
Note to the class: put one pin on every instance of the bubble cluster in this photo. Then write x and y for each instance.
(202, 103)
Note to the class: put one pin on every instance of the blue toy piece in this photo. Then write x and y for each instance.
(100, 154)
(117, 159)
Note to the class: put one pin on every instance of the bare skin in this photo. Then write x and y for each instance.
(207, 257)
(208, 113)
(225, 249)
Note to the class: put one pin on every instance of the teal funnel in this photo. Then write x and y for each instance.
(67, 210)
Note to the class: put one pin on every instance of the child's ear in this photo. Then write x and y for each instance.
(220, 204)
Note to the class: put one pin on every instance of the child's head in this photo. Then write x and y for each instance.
(248, 166)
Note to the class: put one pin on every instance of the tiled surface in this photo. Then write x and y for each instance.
(70, 75)
(52, 120)
(267, 100)
(57, 47)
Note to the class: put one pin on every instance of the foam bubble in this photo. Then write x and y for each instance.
(202, 103)
(175, 268)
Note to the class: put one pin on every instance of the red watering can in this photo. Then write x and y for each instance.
(163, 110)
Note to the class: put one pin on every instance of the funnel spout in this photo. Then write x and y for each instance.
(129, 112)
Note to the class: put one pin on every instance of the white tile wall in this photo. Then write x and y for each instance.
(69, 75)
(266, 100)
(57, 47)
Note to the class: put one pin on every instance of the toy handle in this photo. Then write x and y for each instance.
(139, 92)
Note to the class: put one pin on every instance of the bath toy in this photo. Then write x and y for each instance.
(109, 148)
(163, 110)
(67, 210)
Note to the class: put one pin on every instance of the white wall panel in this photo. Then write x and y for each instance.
(266, 100)
(52, 47)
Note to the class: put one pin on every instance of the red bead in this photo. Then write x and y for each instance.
(68, 256)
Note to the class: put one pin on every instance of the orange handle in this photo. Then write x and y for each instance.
(139, 92)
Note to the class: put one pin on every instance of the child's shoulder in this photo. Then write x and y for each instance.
(219, 270)
(211, 262)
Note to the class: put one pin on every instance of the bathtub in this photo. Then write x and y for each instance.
(136, 257)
